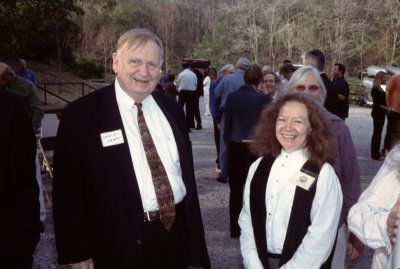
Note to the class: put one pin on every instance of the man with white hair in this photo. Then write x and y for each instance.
(214, 109)
(124, 189)
(308, 80)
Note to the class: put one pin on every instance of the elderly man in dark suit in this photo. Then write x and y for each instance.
(124, 189)
(19, 192)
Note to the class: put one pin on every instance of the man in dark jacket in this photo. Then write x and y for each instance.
(19, 192)
(343, 90)
(316, 58)
(124, 189)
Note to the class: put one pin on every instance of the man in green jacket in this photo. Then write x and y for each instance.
(24, 88)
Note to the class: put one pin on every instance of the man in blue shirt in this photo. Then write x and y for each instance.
(228, 84)
(24, 72)
(214, 109)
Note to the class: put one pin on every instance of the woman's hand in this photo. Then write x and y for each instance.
(88, 264)
(390, 110)
(355, 247)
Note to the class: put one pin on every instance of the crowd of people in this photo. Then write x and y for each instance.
(124, 188)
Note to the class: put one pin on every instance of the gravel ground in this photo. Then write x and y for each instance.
(214, 196)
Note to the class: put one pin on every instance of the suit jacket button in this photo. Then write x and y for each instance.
(139, 242)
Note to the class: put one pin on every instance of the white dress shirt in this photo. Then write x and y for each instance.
(164, 141)
(325, 213)
(367, 218)
(187, 80)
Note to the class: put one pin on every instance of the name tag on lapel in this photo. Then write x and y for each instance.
(303, 180)
(112, 138)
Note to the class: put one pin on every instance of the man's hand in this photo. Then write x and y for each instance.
(389, 110)
(88, 264)
(341, 97)
(355, 247)
(392, 222)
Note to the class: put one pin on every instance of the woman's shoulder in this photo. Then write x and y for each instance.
(328, 174)
(327, 167)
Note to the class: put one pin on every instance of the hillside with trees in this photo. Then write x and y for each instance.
(76, 33)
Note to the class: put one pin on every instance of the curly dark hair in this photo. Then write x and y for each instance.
(319, 142)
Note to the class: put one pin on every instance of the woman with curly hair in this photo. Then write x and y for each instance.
(292, 197)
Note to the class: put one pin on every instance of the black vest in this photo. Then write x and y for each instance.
(299, 218)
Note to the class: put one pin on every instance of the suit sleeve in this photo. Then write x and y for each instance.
(226, 126)
(347, 169)
(70, 203)
(219, 89)
(35, 107)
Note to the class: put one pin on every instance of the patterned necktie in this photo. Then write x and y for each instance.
(164, 194)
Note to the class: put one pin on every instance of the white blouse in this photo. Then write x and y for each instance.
(325, 213)
(367, 218)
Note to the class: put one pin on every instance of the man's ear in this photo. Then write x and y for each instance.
(115, 62)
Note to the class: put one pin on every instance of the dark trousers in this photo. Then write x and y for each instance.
(379, 121)
(163, 249)
(196, 110)
(188, 98)
(392, 131)
(216, 139)
(240, 159)
(24, 264)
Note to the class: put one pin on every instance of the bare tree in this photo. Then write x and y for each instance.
(360, 32)
(254, 37)
(272, 20)
(393, 16)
